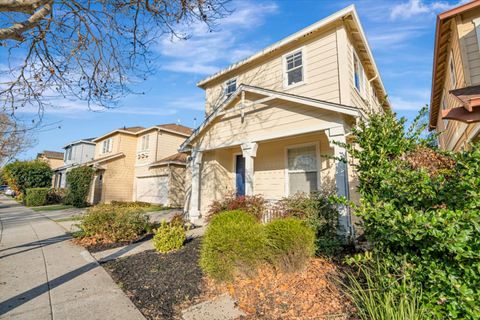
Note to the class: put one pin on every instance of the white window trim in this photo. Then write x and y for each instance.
(452, 72)
(304, 69)
(109, 145)
(286, 171)
(362, 90)
(476, 22)
(225, 86)
(234, 170)
(442, 102)
(145, 146)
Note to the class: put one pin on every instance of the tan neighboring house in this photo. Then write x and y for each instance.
(114, 163)
(159, 168)
(53, 158)
(273, 119)
(455, 97)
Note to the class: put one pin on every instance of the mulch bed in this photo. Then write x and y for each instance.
(160, 284)
(310, 294)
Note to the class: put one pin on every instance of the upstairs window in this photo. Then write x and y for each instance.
(230, 87)
(453, 76)
(145, 142)
(69, 153)
(107, 145)
(358, 74)
(294, 68)
(444, 107)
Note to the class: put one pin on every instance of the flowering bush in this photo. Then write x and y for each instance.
(254, 205)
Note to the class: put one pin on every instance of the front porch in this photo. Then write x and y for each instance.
(273, 168)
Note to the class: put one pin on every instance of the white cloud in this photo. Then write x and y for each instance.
(205, 52)
(414, 8)
(396, 36)
(417, 98)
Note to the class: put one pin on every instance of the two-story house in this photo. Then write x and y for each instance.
(273, 119)
(160, 169)
(455, 96)
(53, 158)
(76, 153)
(114, 164)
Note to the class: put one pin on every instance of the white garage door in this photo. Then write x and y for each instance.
(153, 189)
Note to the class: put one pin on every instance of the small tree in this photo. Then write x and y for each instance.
(21, 175)
(78, 181)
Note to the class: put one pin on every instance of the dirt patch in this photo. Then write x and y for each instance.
(93, 245)
(310, 294)
(160, 284)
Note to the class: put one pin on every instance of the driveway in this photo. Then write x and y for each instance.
(44, 276)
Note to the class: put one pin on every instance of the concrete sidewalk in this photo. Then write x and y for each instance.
(44, 276)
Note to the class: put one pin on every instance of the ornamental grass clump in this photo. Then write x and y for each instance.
(169, 237)
(290, 244)
(234, 242)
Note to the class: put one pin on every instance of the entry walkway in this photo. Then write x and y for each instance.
(44, 276)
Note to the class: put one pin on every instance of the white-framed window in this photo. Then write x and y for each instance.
(230, 87)
(107, 145)
(302, 169)
(358, 75)
(294, 70)
(70, 151)
(453, 76)
(145, 143)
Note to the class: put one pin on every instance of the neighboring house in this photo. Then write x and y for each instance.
(273, 119)
(114, 163)
(455, 97)
(76, 153)
(53, 158)
(160, 169)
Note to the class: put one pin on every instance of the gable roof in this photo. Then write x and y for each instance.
(51, 154)
(348, 14)
(442, 38)
(178, 158)
(271, 95)
(127, 130)
(176, 128)
(86, 141)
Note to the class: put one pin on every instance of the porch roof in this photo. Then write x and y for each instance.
(269, 95)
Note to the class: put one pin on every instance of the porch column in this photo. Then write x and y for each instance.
(337, 135)
(194, 210)
(249, 151)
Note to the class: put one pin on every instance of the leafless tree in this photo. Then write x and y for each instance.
(14, 138)
(92, 50)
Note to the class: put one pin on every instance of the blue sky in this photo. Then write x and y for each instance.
(400, 34)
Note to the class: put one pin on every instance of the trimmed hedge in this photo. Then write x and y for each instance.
(78, 181)
(290, 243)
(37, 197)
(234, 242)
(21, 175)
(169, 237)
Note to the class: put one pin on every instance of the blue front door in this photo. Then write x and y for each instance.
(240, 175)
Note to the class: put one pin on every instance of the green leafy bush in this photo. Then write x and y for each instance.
(421, 211)
(21, 175)
(56, 195)
(290, 243)
(37, 197)
(131, 204)
(254, 205)
(319, 211)
(233, 242)
(169, 237)
(107, 223)
(78, 181)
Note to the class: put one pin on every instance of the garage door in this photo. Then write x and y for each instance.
(153, 189)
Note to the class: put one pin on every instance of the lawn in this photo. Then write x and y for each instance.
(52, 207)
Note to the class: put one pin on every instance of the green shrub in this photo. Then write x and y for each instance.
(421, 211)
(254, 205)
(107, 223)
(131, 204)
(21, 175)
(37, 197)
(169, 237)
(78, 181)
(56, 195)
(290, 244)
(377, 297)
(319, 210)
(233, 242)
